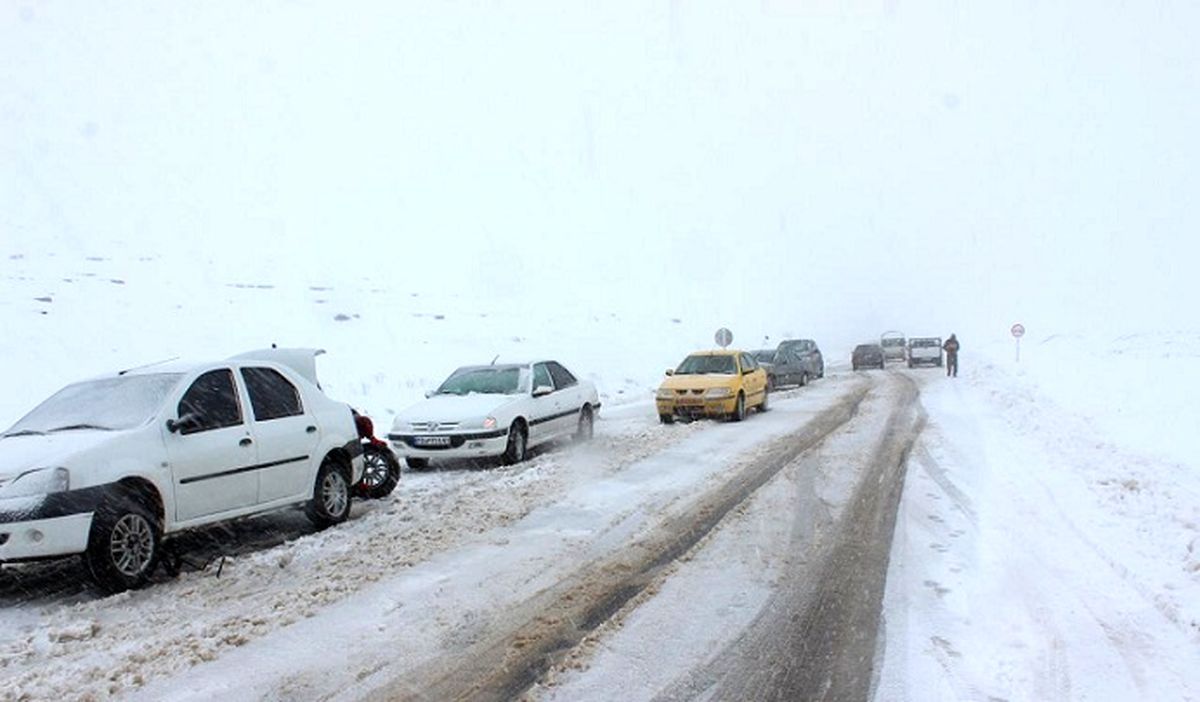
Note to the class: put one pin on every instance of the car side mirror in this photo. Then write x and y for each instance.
(428, 394)
(542, 390)
(186, 422)
(670, 371)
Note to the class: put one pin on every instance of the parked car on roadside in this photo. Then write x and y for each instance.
(496, 411)
(785, 367)
(925, 351)
(111, 466)
(894, 345)
(724, 383)
(805, 355)
(867, 356)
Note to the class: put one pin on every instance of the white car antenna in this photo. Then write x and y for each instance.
(148, 365)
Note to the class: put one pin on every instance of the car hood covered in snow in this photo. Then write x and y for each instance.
(58, 450)
(453, 408)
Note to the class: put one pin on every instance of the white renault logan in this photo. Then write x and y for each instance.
(108, 467)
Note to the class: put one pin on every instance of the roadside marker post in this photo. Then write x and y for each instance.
(1018, 331)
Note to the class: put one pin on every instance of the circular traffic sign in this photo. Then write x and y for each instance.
(1018, 330)
(723, 337)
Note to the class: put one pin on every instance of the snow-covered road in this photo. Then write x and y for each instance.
(695, 561)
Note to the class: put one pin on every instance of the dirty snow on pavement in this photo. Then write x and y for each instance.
(1037, 554)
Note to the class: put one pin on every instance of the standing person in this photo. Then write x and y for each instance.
(951, 349)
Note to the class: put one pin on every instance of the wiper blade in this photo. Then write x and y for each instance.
(24, 432)
(69, 427)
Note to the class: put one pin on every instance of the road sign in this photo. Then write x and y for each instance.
(723, 337)
(1018, 330)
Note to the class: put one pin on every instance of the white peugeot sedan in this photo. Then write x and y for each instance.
(496, 410)
(111, 466)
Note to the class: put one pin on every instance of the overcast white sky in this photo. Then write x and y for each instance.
(912, 165)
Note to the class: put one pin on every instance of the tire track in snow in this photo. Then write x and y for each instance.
(549, 625)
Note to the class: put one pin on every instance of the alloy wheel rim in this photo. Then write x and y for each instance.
(131, 545)
(376, 471)
(333, 493)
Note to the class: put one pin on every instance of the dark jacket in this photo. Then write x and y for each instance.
(951, 345)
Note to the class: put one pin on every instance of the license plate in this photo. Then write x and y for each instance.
(431, 441)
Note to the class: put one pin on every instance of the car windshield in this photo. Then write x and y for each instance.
(700, 365)
(892, 342)
(925, 342)
(492, 380)
(111, 404)
(764, 356)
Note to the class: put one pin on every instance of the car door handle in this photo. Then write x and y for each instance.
(246, 441)
(310, 429)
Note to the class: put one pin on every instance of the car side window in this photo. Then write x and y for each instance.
(541, 376)
(748, 363)
(562, 376)
(272, 396)
(212, 400)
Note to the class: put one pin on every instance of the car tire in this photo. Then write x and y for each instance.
(854, 367)
(586, 428)
(739, 408)
(124, 545)
(417, 463)
(381, 473)
(666, 419)
(330, 503)
(517, 447)
(804, 379)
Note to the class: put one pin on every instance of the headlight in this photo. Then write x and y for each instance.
(717, 393)
(39, 481)
(665, 394)
(489, 422)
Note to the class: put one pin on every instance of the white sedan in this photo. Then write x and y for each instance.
(111, 466)
(496, 410)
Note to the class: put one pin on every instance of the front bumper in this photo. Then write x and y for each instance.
(44, 538)
(697, 407)
(457, 445)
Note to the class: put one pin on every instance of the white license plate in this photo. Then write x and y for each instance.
(431, 441)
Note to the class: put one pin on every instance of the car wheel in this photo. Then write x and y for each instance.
(854, 367)
(803, 379)
(514, 452)
(739, 408)
(417, 463)
(666, 419)
(124, 544)
(587, 424)
(771, 383)
(381, 472)
(764, 405)
(330, 502)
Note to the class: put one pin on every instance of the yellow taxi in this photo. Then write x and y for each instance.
(722, 383)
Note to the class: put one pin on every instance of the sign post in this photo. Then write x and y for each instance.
(723, 337)
(1018, 331)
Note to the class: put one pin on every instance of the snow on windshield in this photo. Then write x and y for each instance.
(706, 364)
(499, 380)
(110, 403)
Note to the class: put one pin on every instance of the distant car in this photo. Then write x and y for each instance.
(894, 345)
(724, 383)
(496, 411)
(111, 466)
(925, 351)
(867, 356)
(804, 356)
(783, 368)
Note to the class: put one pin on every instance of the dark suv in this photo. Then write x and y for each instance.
(802, 360)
